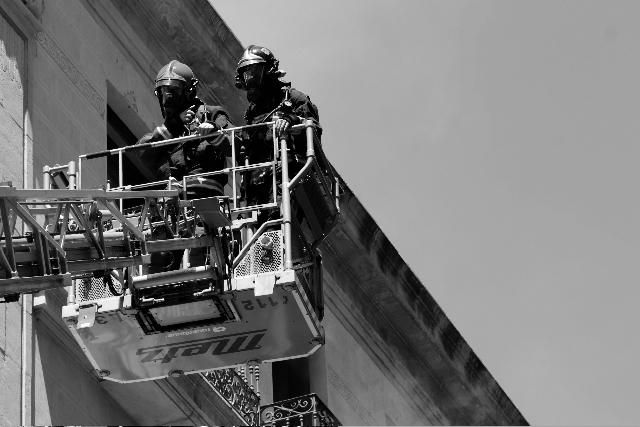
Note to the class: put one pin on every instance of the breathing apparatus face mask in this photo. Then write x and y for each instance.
(252, 75)
(172, 98)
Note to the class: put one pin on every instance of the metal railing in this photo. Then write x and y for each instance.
(72, 204)
(303, 411)
(280, 157)
(238, 387)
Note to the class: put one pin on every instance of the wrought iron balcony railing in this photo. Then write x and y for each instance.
(239, 388)
(303, 411)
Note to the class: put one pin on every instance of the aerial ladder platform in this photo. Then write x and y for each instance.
(159, 285)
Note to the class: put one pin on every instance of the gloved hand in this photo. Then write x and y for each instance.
(186, 119)
(187, 116)
(281, 125)
(206, 128)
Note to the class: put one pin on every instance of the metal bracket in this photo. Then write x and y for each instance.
(87, 316)
(144, 300)
(264, 284)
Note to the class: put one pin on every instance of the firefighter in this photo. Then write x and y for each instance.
(185, 114)
(270, 98)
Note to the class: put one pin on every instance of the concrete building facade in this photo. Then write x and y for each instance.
(76, 76)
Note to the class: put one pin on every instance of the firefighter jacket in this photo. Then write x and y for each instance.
(191, 157)
(257, 143)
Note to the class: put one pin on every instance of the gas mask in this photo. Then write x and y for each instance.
(252, 76)
(173, 99)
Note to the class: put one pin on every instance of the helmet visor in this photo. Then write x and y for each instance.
(170, 82)
(252, 75)
(172, 97)
(171, 91)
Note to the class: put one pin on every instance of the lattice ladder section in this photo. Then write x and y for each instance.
(39, 260)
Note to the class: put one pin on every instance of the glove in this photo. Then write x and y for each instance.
(216, 141)
(281, 125)
(206, 128)
(187, 116)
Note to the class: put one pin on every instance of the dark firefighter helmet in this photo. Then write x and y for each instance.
(255, 54)
(175, 73)
(178, 82)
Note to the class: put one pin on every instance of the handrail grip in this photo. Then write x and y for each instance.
(311, 154)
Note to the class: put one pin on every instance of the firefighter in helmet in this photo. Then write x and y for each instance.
(184, 114)
(270, 99)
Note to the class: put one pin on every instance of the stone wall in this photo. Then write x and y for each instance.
(62, 62)
(13, 79)
(392, 355)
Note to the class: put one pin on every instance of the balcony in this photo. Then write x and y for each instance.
(304, 411)
(238, 387)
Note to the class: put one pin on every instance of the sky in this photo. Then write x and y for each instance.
(496, 145)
